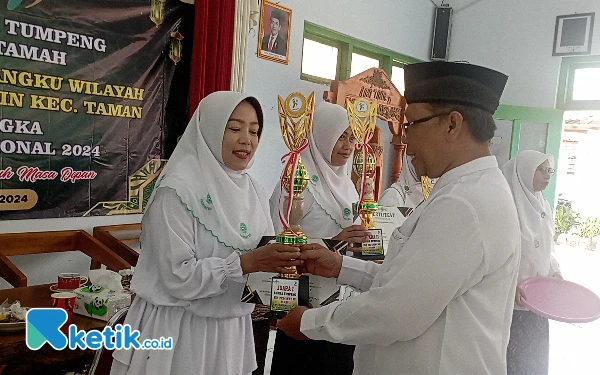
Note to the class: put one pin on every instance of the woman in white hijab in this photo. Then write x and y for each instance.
(202, 223)
(406, 192)
(327, 214)
(528, 174)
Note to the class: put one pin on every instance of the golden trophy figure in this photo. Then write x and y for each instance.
(362, 116)
(426, 186)
(295, 120)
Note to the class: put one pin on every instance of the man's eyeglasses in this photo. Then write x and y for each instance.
(550, 171)
(424, 119)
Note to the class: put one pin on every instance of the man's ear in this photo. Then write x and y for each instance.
(455, 126)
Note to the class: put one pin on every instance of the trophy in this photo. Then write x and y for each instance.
(426, 186)
(295, 120)
(362, 116)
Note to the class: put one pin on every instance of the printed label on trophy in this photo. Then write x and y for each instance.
(375, 244)
(316, 290)
(284, 293)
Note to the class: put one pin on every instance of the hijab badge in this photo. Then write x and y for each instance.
(543, 215)
(208, 203)
(244, 231)
(314, 178)
(536, 244)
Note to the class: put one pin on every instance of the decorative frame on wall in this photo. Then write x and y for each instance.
(573, 34)
(274, 47)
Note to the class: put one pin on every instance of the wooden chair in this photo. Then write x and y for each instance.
(118, 238)
(50, 242)
(102, 361)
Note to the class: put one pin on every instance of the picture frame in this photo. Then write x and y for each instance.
(275, 31)
(573, 34)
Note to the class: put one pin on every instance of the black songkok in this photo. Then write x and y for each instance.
(454, 83)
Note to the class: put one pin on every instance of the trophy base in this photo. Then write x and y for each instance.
(287, 293)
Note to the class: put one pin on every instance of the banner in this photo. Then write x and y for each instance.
(83, 88)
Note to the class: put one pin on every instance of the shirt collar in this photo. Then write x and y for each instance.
(477, 165)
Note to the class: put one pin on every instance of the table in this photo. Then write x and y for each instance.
(19, 359)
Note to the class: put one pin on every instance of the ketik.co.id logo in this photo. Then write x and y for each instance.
(44, 326)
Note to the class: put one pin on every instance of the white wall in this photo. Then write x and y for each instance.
(516, 37)
(404, 26)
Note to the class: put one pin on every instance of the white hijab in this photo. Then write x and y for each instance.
(229, 204)
(535, 215)
(408, 186)
(330, 185)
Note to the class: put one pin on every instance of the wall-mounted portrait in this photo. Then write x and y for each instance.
(573, 34)
(275, 28)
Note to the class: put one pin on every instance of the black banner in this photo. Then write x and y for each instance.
(83, 90)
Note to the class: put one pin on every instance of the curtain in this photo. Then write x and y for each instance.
(246, 18)
(212, 53)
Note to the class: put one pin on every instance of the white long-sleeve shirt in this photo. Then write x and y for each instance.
(442, 301)
(188, 287)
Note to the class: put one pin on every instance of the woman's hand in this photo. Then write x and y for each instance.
(353, 234)
(271, 258)
(518, 296)
(320, 261)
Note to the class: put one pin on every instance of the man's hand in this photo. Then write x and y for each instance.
(319, 261)
(290, 324)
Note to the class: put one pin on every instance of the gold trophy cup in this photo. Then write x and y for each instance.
(295, 120)
(362, 116)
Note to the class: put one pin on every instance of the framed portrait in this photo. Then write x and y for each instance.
(274, 31)
(573, 34)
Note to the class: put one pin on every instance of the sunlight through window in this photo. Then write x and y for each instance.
(319, 60)
(360, 63)
(398, 78)
(586, 84)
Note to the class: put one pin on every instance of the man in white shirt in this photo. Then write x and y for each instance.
(441, 302)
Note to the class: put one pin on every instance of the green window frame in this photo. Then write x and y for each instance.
(569, 65)
(346, 46)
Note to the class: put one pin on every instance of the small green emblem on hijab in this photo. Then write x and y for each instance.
(207, 204)
(314, 178)
(543, 215)
(346, 212)
(244, 231)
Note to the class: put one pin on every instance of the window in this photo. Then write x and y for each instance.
(586, 84)
(360, 63)
(319, 60)
(328, 55)
(579, 83)
(398, 78)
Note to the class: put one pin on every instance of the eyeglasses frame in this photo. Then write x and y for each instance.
(406, 125)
